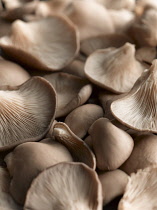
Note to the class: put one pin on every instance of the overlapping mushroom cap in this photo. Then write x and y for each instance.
(137, 109)
(40, 44)
(141, 190)
(116, 70)
(26, 112)
(65, 186)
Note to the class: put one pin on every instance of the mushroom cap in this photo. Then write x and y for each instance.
(42, 47)
(141, 190)
(77, 147)
(12, 74)
(143, 155)
(146, 54)
(26, 113)
(82, 14)
(6, 201)
(81, 118)
(72, 91)
(65, 186)
(107, 139)
(137, 109)
(93, 43)
(32, 158)
(113, 184)
(116, 70)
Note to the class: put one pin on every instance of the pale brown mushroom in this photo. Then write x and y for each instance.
(72, 91)
(90, 17)
(146, 54)
(81, 118)
(116, 70)
(113, 184)
(12, 74)
(77, 147)
(6, 201)
(31, 158)
(65, 186)
(111, 145)
(91, 44)
(40, 43)
(143, 154)
(137, 109)
(27, 112)
(141, 190)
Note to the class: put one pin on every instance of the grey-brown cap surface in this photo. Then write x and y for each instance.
(65, 186)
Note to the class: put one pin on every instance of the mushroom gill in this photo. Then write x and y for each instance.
(39, 44)
(26, 112)
(65, 186)
(141, 190)
(137, 109)
(116, 70)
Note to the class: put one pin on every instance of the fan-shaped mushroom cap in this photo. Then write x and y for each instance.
(81, 118)
(143, 155)
(116, 5)
(77, 147)
(90, 17)
(122, 19)
(112, 146)
(31, 158)
(72, 91)
(26, 112)
(91, 44)
(137, 109)
(6, 201)
(41, 44)
(116, 70)
(113, 184)
(146, 54)
(141, 190)
(145, 30)
(12, 74)
(65, 186)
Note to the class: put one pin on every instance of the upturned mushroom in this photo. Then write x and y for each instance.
(141, 190)
(72, 91)
(31, 158)
(65, 186)
(111, 145)
(116, 70)
(77, 147)
(81, 118)
(36, 47)
(143, 155)
(137, 109)
(113, 184)
(26, 112)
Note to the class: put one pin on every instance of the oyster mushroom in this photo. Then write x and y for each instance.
(116, 70)
(143, 155)
(141, 190)
(72, 91)
(12, 74)
(65, 186)
(81, 118)
(26, 113)
(146, 54)
(91, 44)
(77, 147)
(113, 184)
(36, 47)
(32, 158)
(90, 17)
(6, 201)
(107, 139)
(137, 109)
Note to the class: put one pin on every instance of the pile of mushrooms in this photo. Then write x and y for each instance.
(78, 104)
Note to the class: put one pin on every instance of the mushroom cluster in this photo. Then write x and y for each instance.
(78, 104)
